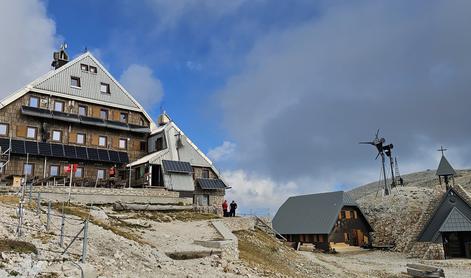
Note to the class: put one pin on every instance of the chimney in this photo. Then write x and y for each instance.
(60, 57)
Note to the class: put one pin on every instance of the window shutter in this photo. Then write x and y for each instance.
(73, 137)
(95, 139)
(114, 142)
(96, 111)
(21, 131)
(116, 115)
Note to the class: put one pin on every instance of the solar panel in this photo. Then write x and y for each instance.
(81, 153)
(4, 144)
(114, 156)
(65, 116)
(118, 125)
(69, 152)
(18, 146)
(57, 150)
(123, 157)
(92, 154)
(103, 155)
(31, 147)
(177, 166)
(211, 184)
(36, 111)
(44, 149)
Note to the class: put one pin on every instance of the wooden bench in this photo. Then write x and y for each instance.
(420, 270)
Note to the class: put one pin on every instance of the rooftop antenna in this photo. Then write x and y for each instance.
(378, 143)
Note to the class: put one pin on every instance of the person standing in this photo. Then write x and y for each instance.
(224, 208)
(233, 209)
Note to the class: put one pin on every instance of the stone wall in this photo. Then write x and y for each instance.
(240, 223)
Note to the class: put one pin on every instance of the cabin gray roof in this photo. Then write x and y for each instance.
(456, 221)
(444, 168)
(311, 214)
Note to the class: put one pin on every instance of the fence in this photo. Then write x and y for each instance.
(48, 226)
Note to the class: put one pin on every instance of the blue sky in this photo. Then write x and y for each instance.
(277, 93)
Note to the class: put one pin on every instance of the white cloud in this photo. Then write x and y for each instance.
(141, 83)
(28, 40)
(256, 193)
(222, 152)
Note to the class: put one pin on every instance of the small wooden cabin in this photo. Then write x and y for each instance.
(322, 219)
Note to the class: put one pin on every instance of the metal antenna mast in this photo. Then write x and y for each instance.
(398, 175)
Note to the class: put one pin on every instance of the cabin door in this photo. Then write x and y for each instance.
(360, 238)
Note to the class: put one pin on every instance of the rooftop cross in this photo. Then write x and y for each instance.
(442, 150)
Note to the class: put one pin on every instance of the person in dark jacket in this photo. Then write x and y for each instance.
(233, 209)
(224, 208)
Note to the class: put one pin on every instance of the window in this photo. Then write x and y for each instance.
(105, 88)
(28, 169)
(54, 170)
(123, 117)
(80, 138)
(202, 200)
(84, 67)
(4, 129)
(347, 214)
(31, 132)
(141, 122)
(102, 141)
(79, 172)
(355, 214)
(34, 102)
(75, 82)
(143, 146)
(104, 114)
(342, 214)
(100, 174)
(205, 174)
(83, 110)
(159, 144)
(93, 69)
(123, 143)
(58, 106)
(57, 135)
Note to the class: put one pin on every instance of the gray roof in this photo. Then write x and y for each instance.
(311, 214)
(444, 217)
(456, 221)
(444, 168)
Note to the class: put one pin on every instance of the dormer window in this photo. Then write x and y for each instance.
(84, 67)
(93, 69)
(104, 88)
(75, 82)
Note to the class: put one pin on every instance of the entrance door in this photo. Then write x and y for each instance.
(360, 237)
(157, 177)
(454, 245)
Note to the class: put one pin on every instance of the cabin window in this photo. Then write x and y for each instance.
(84, 67)
(34, 102)
(123, 143)
(100, 174)
(347, 214)
(321, 238)
(143, 146)
(79, 172)
(123, 117)
(3, 129)
(105, 88)
(83, 110)
(28, 169)
(31, 132)
(355, 214)
(205, 174)
(54, 170)
(80, 138)
(102, 141)
(202, 200)
(141, 122)
(57, 135)
(93, 69)
(159, 144)
(58, 106)
(104, 114)
(75, 82)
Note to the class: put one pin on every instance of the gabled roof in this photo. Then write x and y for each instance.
(311, 214)
(456, 221)
(57, 82)
(443, 216)
(444, 168)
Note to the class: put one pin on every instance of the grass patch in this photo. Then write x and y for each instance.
(16, 246)
(258, 249)
(9, 199)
